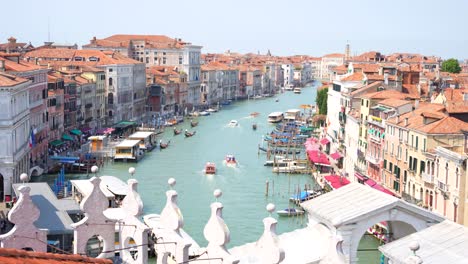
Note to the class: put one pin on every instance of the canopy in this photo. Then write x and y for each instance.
(359, 176)
(56, 143)
(336, 155)
(379, 187)
(324, 141)
(302, 196)
(67, 137)
(125, 124)
(318, 157)
(85, 129)
(336, 181)
(76, 132)
(106, 130)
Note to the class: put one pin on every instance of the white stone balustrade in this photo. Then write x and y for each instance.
(24, 234)
(268, 245)
(95, 223)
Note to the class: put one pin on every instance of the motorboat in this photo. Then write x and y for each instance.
(212, 110)
(289, 167)
(278, 161)
(233, 123)
(210, 168)
(163, 145)
(230, 160)
(297, 90)
(275, 117)
(189, 134)
(254, 126)
(304, 196)
(194, 113)
(290, 212)
(193, 123)
(289, 87)
(254, 114)
(226, 102)
(204, 113)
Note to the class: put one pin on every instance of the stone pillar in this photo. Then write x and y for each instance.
(268, 246)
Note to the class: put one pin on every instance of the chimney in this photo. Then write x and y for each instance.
(385, 78)
(398, 119)
(93, 41)
(406, 121)
(416, 104)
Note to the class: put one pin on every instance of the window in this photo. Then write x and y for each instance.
(456, 178)
(406, 155)
(164, 60)
(391, 152)
(410, 163)
(424, 145)
(415, 164)
(412, 140)
(367, 103)
(110, 82)
(110, 99)
(422, 166)
(385, 164)
(362, 103)
(390, 167)
(164, 53)
(111, 70)
(147, 59)
(417, 138)
(103, 77)
(180, 60)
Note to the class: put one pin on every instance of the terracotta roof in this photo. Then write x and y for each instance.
(367, 67)
(10, 80)
(21, 66)
(355, 77)
(123, 41)
(341, 69)
(392, 102)
(447, 125)
(334, 55)
(457, 107)
(411, 90)
(51, 53)
(386, 94)
(415, 118)
(14, 256)
(368, 88)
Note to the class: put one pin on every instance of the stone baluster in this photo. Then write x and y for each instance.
(268, 245)
(218, 235)
(414, 259)
(94, 222)
(24, 234)
(173, 221)
(132, 227)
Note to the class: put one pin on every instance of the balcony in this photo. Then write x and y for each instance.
(407, 197)
(372, 159)
(375, 121)
(375, 138)
(443, 187)
(428, 178)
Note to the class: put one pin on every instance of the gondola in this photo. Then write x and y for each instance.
(189, 134)
(254, 126)
(193, 123)
(164, 145)
(177, 132)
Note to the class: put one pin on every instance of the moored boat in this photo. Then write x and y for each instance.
(212, 110)
(210, 168)
(290, 212)
(204, 113)
(163, 145)
(275, 117)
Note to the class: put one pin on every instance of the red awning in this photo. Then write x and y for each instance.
(359, 176)
(336, 181)
(324, 141)
(379, 187)
(318, 158)
(336, 155)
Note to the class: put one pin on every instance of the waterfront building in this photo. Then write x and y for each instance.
(98, 77)
(219, 82)
(250, 81)
(315, 67)
(55, 109)
(15, 131)
(288, 74)
(125, 79)
(37, 104)
(158, 50)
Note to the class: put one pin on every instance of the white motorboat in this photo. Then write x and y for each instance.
(204, 113)
(288, 167)
(233, 123)
(289, 87)
(211, 110)
(290, 212)
(297, 90)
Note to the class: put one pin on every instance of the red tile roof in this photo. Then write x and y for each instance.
(355, 77)
(14, 256)
(393, 102)
(10, 80)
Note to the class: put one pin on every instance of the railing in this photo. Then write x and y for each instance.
(410, 199)
(372, 159)
(442, 186)
(375, 138)
(427, 177)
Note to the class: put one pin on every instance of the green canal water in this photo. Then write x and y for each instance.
(243, 188)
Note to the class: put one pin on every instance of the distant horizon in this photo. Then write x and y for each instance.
(286, 29)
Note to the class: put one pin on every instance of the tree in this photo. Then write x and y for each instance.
(321, 101)
(451, 65)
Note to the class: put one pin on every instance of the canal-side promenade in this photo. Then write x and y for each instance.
(243, 187)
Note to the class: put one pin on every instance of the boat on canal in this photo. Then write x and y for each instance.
(297, 90)
(275, 117)
(147, 139)
(304, 196)
(176, 131)
(204, 113)
(193, 123)
(189, 134)
(290, 212)
(128, 150)
(212, 110)
(210, 168)
(254, 114)
(289, 167)
(233, 123)
(289, 87)
(280, 151)
(163, 145)
(230, 160)
(254, 126)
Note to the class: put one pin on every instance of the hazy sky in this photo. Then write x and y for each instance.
(285, 27)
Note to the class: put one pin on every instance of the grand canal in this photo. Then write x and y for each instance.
(243, 188)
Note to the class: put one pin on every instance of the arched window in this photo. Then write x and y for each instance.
(110, 98)
(110, 113)
(110, 81)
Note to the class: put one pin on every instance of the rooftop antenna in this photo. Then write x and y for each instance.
(48, 29)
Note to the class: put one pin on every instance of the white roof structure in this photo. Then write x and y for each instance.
(446, 242)
(275, 114)
(306, 245)
(140, 135)
(97, 137)
(127, 143)
(109, 185)
(353, 202)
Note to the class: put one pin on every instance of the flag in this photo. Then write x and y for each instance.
(32, 139)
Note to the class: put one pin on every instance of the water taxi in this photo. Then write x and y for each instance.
(210, 168)
(233, 123)
(230, 160)
(297, 90)
(147, 139)
(275, 117)
(290, 212)
(128, 150)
